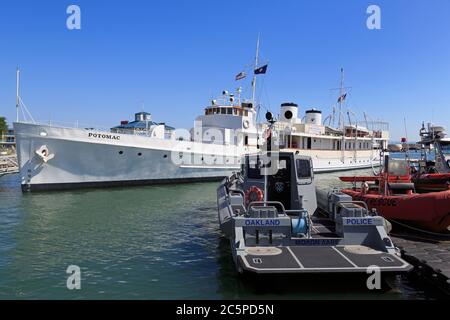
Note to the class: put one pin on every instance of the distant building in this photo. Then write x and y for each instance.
(8, 140)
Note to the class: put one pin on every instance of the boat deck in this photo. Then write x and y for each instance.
(319, 254)
(317, 259)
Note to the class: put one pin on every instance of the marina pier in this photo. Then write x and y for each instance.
(8, 165)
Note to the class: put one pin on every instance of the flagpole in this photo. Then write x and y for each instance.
(254, 75)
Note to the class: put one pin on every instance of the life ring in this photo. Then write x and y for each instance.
(253, 194)
(246, 124)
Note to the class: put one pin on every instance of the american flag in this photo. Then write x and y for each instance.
(342, 98)
(240, 76)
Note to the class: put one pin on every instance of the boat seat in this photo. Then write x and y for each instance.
(237, 203)
(401, 186)
(263, 212)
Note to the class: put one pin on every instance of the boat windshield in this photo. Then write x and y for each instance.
(303, 168)
(445, 145)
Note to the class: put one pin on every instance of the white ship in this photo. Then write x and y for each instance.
(54, 157)
(143, 152)
(136, 153)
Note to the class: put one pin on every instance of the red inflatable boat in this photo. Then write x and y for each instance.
(392, 195)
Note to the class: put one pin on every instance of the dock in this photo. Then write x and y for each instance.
(8, 165)
(428, 253)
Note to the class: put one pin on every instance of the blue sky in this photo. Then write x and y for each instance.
(173, 56)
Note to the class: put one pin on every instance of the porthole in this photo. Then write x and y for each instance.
(139, 154)
(288, 114)
(165, 156)
(120, 152)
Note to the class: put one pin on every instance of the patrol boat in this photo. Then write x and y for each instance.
(267, 211)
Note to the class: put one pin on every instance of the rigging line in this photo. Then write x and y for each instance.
(23, 113)
(266, 92)
(26, 109)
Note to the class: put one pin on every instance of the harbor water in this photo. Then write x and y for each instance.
(154, 242)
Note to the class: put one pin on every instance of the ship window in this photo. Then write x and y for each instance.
(303, 168)
(223, 110)
(246, 113)
(230, 111)
(139, 154)
(246, 140)
(121, 152)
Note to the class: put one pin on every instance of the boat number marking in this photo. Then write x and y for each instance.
(103, 136)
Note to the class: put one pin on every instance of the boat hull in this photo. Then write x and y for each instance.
(81, 161)
(88, 158)
(429, 211)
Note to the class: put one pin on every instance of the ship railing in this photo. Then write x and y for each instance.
(73, 124)
(90, 126)
(374, 125)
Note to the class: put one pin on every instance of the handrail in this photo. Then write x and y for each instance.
(265, 203)
(354, 202)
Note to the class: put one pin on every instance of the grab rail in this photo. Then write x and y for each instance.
(266, 203)
(354, 202)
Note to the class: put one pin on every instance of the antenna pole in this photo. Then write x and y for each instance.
(254, 75)
(17, 94)
(341, 92)
(407, 140)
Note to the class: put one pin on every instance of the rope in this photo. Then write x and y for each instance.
(420, 230)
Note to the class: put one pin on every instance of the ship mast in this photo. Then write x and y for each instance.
(254, 75)
(17, 94)
(341, 93)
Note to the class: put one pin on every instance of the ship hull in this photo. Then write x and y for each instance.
(83, 158)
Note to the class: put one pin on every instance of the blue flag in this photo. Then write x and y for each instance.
(261, 70)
